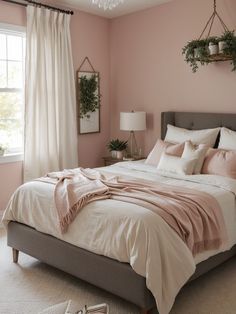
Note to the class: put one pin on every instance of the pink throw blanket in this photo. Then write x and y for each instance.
(195, 216)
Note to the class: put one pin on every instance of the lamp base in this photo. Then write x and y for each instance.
(132, 150)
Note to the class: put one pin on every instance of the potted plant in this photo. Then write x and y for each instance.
(2, 149)
(213, 45)
(196, 51)
(189, 52)
(224, 40)
(227, 46)
(202, 52)
(116, 147)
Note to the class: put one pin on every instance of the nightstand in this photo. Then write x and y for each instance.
(108, 161)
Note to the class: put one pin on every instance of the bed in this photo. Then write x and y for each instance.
(107, 273)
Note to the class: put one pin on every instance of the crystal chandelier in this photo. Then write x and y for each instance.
(107, 4)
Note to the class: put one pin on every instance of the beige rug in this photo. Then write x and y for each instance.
(31, 286)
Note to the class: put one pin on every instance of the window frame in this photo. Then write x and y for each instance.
(10, 29)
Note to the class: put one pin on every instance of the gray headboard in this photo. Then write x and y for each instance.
(197, 120)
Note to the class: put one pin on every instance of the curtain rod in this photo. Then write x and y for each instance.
(40, 5)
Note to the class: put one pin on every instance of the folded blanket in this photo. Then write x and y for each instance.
(72, 192)
(195, 216)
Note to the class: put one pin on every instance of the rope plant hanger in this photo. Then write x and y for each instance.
(207, 49)
(210, 22)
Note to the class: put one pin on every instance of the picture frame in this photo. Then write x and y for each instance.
(88, 100)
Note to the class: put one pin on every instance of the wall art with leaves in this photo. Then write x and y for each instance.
(88, 90)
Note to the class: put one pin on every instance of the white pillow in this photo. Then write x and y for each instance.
(195, 152)
(227, 139)
(176, 165)
(197, 137)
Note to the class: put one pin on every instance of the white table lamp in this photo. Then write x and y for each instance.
(132, 121)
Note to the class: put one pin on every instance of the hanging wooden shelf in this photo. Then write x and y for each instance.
(217, 58)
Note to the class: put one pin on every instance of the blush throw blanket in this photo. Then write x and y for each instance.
(195, 216)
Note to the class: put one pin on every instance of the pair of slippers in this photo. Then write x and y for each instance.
(66, 308)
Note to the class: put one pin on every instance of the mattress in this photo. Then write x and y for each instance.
(128, 232)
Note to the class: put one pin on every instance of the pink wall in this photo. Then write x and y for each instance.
(139, 57)
(90, 37)
(148, 71)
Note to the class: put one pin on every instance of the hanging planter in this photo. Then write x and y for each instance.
(211, 49)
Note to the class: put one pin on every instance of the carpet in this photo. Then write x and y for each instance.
(31, 286)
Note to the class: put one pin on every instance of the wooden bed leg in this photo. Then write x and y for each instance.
(15, 255)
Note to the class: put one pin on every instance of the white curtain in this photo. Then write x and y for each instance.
(50, 112)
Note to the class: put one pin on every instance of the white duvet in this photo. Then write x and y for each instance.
(128, 232)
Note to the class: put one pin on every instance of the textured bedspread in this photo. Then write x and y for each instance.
(128, 232)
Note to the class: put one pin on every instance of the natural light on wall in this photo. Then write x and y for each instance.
(12, 64)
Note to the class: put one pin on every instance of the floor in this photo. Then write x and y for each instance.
(30, 286)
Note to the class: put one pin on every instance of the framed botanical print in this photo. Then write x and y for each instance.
(88, 91)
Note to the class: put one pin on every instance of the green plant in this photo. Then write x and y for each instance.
(188, 51)
(230, 46)
(202, 51)
(89, 95)
(117, 145)
(212, 40)
(227, 36)
(196, 51)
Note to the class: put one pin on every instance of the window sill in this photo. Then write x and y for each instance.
(11, 158)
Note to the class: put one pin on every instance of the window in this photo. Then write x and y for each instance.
(12, 64)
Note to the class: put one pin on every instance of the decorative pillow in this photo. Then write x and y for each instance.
(195, 152)
(160, 147)
(197, 137)
(227, 139)
(220, 162)
(176, 165)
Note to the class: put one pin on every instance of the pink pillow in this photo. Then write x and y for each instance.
(220, 162)
(160, 147)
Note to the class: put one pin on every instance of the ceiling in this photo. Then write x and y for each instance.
(128, 6)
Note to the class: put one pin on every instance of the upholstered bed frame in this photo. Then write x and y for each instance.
(111, 275)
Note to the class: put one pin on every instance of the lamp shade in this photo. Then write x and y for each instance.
(133, 121)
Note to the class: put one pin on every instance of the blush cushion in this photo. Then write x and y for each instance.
(160, 147)
(220, 162)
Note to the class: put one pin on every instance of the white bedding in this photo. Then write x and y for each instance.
(128, 232)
